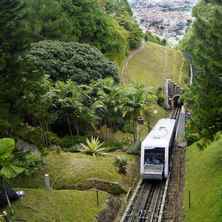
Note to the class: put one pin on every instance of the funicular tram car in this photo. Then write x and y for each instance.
(156, 150)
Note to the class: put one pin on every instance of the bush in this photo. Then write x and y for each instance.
(121, 163)
(135, 148)
(30, 161)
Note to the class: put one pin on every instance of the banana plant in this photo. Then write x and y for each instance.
(8, 168)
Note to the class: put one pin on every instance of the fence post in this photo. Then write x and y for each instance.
(97, 198)
(47, 182)
(189, 199)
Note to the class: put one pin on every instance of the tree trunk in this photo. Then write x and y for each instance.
(42, 133)
(46, 135)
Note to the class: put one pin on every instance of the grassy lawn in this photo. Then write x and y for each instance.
(204, 180)
(71, 168)
(59, 206)
(69, 205)
(154, 64)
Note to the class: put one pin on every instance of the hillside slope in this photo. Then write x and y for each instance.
(203, 180)
(153, 64)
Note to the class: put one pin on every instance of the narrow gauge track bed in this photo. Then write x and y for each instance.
(147, 202)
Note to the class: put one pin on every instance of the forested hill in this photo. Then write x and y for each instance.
(59, 68)
(107, 24)
(203, 43)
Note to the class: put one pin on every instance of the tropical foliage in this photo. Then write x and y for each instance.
(14, 162)
(8, 167)
(93, 147)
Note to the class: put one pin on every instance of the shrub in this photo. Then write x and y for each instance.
(121, 163)
(93, 147)
(31, 162)
(134, 148)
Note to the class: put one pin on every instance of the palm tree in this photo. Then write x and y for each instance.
(135, 98)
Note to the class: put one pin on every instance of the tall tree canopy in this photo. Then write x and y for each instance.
(17, 77)
(76, 20)
(78, 62)
(204, 42)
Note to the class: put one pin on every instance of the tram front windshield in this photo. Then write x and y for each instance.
(154, 156)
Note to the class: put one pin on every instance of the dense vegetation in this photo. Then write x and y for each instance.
(204, 42)
(52, 85)
(30, 71)
(59, 85)
(86, 21)
(71, 60)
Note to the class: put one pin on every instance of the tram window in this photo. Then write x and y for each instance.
(154, 156)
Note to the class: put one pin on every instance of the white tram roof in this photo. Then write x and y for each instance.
(160, 135)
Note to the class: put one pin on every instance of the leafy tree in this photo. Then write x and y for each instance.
(71, 61)
(135, 99)
(17, 76)
(135, 33)
(67, 105)
(48, 19)
(121, 10)
(118, 105)
(80, 20)
(204, 42)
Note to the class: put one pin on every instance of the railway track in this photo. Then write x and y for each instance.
(147, 203)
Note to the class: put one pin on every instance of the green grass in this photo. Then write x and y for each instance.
(70, 205)
(59, 206)
(71, 168)
(154, 64)
(204, 180)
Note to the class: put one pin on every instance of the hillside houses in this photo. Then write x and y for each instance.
(167, 19)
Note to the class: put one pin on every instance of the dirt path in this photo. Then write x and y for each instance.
(133, 53)
(174, 202)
